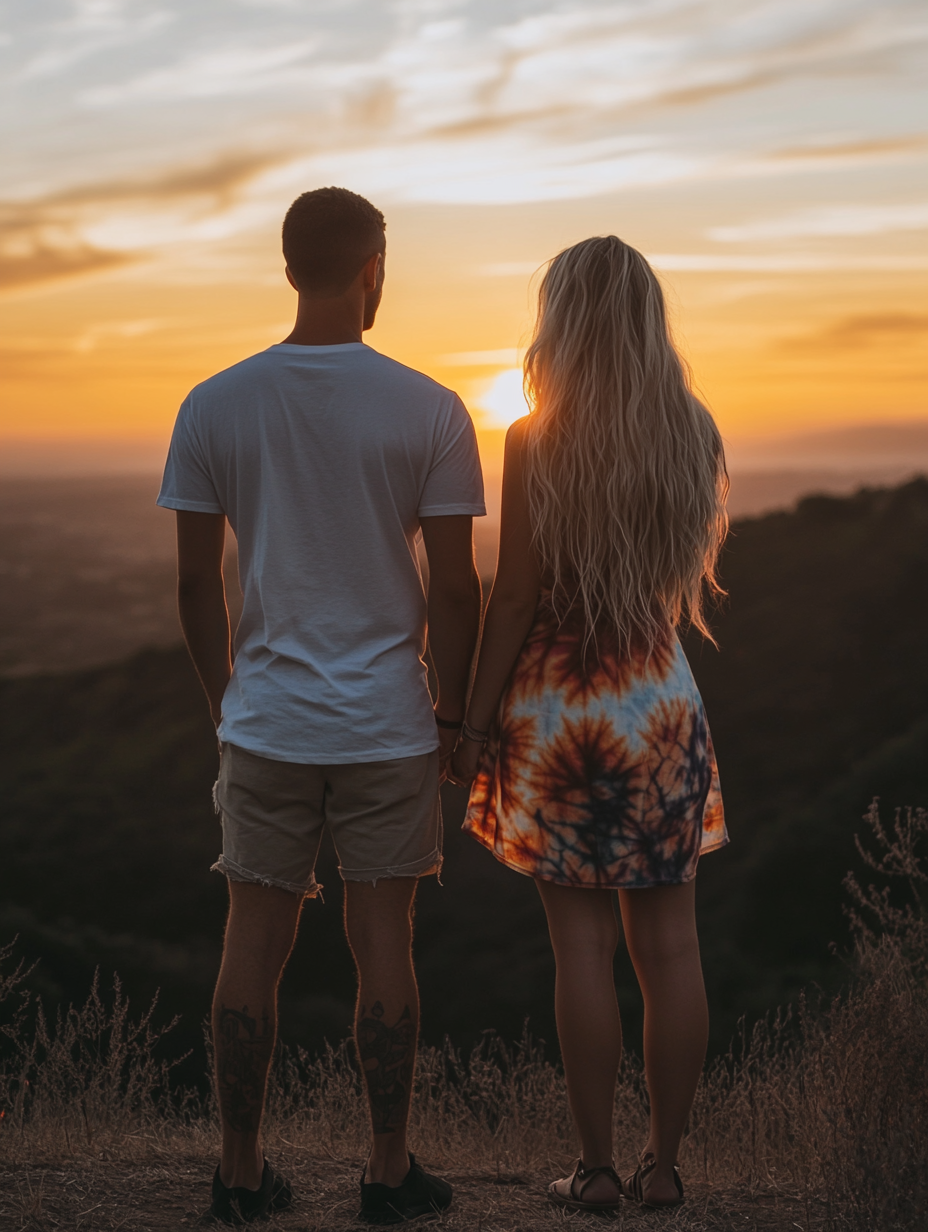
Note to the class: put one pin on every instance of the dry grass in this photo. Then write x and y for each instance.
(817, 1121)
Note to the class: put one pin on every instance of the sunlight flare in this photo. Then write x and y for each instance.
(503, 402)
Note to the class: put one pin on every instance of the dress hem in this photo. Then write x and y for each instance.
(579, 885)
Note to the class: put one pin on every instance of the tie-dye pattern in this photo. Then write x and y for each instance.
(598, 772)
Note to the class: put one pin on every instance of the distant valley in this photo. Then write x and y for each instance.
(87, 563)
(817, 697)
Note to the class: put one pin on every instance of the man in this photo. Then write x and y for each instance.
(327, 459)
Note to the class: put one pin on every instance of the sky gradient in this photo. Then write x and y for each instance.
(768, 158)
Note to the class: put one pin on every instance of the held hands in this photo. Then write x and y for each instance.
(464, 761)
(459, 748)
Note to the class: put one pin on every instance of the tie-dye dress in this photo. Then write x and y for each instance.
(598, 772)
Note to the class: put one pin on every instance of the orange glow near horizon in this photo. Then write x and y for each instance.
(763, 159)
(110, 359)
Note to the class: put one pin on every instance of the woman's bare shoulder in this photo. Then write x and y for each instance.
(516, 434)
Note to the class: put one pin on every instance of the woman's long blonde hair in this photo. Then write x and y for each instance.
(624, 467)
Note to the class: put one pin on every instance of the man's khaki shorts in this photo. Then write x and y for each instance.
(384, 818)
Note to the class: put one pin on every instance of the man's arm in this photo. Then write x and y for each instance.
(453, 614)
(201, 601)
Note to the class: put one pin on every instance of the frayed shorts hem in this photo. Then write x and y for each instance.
(235, 872)
(416, 868)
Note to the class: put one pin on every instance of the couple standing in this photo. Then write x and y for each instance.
(583, 737)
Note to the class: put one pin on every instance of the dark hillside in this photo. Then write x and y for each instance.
(817, 696)
(818, 700)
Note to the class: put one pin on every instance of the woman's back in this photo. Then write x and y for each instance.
(623, 467)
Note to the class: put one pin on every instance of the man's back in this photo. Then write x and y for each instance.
(324, 458)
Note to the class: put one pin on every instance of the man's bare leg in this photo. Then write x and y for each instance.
(378, 923)
(259, 937)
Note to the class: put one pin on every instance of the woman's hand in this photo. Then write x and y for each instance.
(464, 761)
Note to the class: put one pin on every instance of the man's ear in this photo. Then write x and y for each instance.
(290, 278)
(373, 272)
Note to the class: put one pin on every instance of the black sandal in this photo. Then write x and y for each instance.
(562, 1192)
(634, 1186)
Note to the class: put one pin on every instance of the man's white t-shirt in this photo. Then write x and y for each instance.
(323, 458)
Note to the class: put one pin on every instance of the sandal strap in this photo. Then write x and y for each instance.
(678, 1181)
(584, 1175)
(647, 1165)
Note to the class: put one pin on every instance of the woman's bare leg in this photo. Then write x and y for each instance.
(660, 931)
(584, 933)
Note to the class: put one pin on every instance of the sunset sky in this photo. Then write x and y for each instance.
(768, 158)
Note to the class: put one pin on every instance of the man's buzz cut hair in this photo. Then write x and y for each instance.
(328, 236)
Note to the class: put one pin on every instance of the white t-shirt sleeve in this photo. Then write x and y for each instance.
(187, 483)
(454, 483)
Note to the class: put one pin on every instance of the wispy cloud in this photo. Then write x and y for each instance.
(831, 220)
(440, 102)
(507, 269)
(900, 329)
(103, 331)
(92, 27)
(93, 228)
(41, 259)
(782, 262)
(469, 102)
(505, 168)
(232, 70)
(860, 150)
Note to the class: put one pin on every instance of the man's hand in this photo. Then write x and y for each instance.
(446, 741)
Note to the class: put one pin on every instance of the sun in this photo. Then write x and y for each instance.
(503, 402)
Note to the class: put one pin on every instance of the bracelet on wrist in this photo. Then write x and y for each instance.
(449, 724)
(471, 733)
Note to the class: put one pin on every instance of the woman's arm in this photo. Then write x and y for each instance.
(511, 609)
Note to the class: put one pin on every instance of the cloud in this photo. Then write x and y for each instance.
(466, 101)
(94, 26)
(780, 263)
(428, 101)
(508, 168)
(862, 330)
(43, 262)
(102, 331)
(93, 228)
(831, 220)
(862, 150)
(233, 70)
(884, 323)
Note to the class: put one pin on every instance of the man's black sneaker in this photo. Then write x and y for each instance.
(419, 1194)
(238, 1205)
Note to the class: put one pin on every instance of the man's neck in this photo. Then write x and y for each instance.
(328, 322)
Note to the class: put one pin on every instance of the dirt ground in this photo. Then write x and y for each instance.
(89, 1195)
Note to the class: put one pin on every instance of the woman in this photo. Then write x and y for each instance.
(585, 737)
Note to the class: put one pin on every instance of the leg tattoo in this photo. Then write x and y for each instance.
(242, 1057)
(388, 1055)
